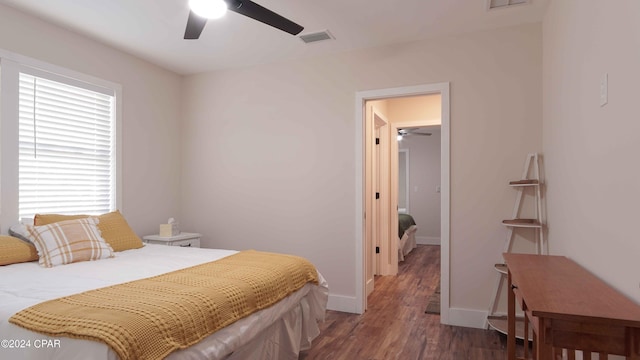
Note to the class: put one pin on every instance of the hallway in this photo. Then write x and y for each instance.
(395, 325)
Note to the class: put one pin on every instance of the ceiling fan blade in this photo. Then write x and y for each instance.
(250, 9)
(195, 24)
(405, 132)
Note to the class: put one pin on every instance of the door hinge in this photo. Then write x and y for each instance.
(377, 141)
(377, 195)
(377, 249)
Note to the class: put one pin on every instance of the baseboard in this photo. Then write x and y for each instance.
(457, 316)
(428, 240)
(342, 303)
(467, 318)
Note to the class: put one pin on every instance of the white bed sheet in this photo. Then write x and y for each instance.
(407, 242)
(24, 285)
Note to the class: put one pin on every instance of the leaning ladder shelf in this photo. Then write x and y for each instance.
(531, 179)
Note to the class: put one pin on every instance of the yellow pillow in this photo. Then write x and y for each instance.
(113, 227)
(14, 250)
(66, 242)
(46, 219)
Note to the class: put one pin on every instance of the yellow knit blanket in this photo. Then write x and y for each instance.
(150, 318)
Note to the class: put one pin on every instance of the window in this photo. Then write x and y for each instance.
(66, 148)
(58, 146)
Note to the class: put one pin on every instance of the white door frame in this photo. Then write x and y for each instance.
(407, 207)
(361, 98)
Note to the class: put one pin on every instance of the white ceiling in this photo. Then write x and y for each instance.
(154, 29)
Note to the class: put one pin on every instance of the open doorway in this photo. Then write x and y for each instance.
(388, 262)
(391, 124)
(419, 185)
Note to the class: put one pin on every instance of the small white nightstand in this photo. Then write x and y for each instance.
(183, 239)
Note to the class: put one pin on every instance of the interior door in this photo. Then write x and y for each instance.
(375, 148)
(370, 213)
(377, 216)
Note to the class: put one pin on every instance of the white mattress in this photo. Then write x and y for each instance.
(24, 285)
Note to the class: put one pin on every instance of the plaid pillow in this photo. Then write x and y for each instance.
(113, 227)
(69, 241)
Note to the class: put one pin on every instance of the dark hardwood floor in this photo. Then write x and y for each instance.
(395, 325)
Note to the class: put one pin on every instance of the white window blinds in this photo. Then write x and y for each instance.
(66, 148)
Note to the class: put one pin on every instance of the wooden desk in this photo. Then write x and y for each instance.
(569, 308)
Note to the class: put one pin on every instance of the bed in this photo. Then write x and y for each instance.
(407, 233)
(279, 331)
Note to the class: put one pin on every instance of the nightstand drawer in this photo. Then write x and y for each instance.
(182, 239)
(186, 243)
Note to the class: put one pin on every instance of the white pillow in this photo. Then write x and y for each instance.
(20, 231)
(69, 241)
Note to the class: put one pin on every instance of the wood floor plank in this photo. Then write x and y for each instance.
(395, 325)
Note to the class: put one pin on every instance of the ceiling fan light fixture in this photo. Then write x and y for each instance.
(210, 9)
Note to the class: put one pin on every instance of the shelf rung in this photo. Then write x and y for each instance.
(524, 182)
(531, 223)
(500, 324)
(501, 268)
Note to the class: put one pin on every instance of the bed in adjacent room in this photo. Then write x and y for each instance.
(136, 281)
(407, 233)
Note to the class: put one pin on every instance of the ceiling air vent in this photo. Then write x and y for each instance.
(503, 4)
(316, 36)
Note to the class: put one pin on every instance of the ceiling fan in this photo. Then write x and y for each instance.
(202, 10)
(406, 132)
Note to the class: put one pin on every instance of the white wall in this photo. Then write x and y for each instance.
(424, 177)
(591, 152)
(268, 157)
(151, 111)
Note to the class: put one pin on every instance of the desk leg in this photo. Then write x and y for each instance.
(634, 343)
(511, 320)
(543, 348)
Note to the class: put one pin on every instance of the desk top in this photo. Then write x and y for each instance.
(557, 287)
